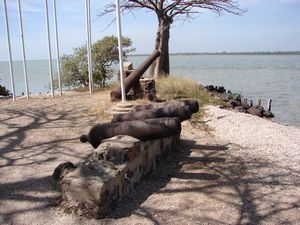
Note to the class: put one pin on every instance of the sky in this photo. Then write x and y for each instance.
(267, 25)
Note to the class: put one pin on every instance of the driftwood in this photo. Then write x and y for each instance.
(143, 130)
(134, 76)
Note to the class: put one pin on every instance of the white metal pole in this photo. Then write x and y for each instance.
(57, 49)
(120, 50)
(23, 50)
(49, 48)
(90, 41)
(89, 50)
(9, 52)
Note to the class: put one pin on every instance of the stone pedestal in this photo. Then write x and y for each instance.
(148, 88)
(96, 185)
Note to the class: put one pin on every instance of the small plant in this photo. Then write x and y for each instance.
(4, 91)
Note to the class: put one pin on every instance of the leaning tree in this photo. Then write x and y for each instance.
(168, 11)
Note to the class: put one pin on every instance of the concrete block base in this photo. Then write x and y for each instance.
(96, 185)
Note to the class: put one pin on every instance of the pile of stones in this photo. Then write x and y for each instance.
(235, 101)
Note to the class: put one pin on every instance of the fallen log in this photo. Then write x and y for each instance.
(143, 130)
(134, 76)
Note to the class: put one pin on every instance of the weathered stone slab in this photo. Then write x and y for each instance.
(95, 186)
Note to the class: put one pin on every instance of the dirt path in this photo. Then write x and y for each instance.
(204, 182)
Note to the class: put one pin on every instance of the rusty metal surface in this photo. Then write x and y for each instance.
(192, 104)
(137, 108)
(143, 130)
(183, 109)
(182, 112)
(134, 76)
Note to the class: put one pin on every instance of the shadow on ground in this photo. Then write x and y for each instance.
(247, 191)
(197, 184)
(13, 140)
(32, 142)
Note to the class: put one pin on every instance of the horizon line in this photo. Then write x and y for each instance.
(227, 53)
(201, 53)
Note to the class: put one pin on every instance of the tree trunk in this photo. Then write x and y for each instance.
(152, 67)
(161, 67)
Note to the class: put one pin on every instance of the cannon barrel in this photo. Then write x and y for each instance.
(181, 112)
(193, 105)
(134, 76)
(143, 130)
(137, 108)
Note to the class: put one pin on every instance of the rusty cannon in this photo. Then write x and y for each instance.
(149, 129)
(134, 76)
(193, 105)
(183, 110)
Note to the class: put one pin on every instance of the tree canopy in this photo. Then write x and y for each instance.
(167, 11)
(104, 55)
(4, 91)
(177, 8)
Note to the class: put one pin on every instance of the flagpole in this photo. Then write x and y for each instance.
(57, 49)
(119, 30)
(89, 43)
(49, 48)
(23, 50)
(9, 52)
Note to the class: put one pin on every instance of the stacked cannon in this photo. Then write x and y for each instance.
(133, 78)
(145, 122)
(126, 150)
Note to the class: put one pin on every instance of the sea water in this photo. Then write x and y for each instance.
(254, 76)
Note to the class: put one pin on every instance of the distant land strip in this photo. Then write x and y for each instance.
(231, 53)
(196, 53)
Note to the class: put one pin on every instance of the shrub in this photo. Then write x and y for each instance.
(104, 55)
(4, 91)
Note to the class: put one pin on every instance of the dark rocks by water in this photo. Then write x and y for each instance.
(234, 101)
(240, 108)
(268, 114)
(256, 111)
(220, 89)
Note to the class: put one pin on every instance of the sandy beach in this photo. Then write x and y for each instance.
(231, 168)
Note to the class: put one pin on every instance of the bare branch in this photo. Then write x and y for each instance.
(177, 8)
(168, 11)
(195, 7)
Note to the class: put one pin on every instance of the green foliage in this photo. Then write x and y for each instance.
(4, 91)
(104, 55)
(173, 87)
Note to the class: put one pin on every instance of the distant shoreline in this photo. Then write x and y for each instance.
(195, 53)
(231, 53)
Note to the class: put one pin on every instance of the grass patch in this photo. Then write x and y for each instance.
(173, 87)
(95, 89)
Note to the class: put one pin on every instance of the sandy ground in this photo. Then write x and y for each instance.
(230, 168)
